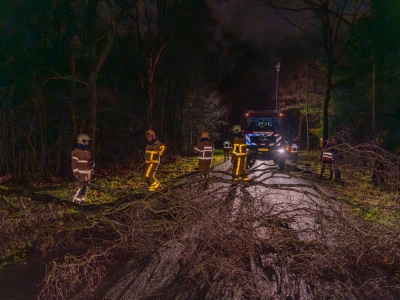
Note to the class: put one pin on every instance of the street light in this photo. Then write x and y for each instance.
(277, 68)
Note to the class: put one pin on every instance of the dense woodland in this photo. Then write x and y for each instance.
(112, 69)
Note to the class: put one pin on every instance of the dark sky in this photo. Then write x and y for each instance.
(263, 29)
(255, 23)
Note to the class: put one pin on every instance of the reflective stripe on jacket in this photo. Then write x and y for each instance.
(239, 147)
(80, 162)
(153, 152)
(327, 153)
(227, 145)
(204, 149)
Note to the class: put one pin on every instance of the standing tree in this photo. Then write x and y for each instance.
(85, 34)
(302, 92)
(203, 111)
(147, 20)
(327, 23)
(372, 73)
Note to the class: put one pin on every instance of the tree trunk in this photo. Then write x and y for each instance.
(151, 89)
(326, 105)
(182, 122)
(299, 129)
(93, 112)
(164, 121)
(94, 98)
(373, 101)
(308, 134)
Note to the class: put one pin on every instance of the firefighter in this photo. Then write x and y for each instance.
(154, 149)
(204, 150)
(239, 155)
(82, 166)
(326, 157)
(227, 150)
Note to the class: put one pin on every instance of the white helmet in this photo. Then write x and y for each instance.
(83, 139)
(236, 129)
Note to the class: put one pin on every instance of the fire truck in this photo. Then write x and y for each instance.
(269, 137)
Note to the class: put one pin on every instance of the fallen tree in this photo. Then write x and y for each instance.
(211, 239)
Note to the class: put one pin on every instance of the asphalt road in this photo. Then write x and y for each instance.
(271, 195)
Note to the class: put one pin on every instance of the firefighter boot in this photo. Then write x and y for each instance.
(154, 186)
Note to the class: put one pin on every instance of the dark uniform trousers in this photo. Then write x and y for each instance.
(204, 166)
(227, 150)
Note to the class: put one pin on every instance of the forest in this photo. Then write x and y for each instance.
(112, 69)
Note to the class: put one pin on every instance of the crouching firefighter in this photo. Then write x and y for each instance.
(82, 166)
(239, 155)
(154, 149)
(204, 150)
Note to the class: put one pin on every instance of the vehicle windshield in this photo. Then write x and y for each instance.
(261, 123)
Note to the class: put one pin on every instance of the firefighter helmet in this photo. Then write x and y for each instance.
(83, 139)
(236, 129)
(151, 133)
(205, 134)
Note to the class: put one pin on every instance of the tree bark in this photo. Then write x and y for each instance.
(151, 90)
(94, 98)
(164, 121)
(301, 117)
(373, 101)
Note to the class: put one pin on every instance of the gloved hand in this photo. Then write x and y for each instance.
(76, 175)
(92, 164)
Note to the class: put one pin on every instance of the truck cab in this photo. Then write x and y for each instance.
(268, 137)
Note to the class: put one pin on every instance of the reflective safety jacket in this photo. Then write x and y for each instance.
(227, 145)
(204, 149)
(239, 147)
(327, 153)
(153, 152)
(80, 162)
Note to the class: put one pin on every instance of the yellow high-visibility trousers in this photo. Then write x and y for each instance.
(239, 168)
(150, 175)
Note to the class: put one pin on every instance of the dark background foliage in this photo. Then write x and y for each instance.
(112, 69)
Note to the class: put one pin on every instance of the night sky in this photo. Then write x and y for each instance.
(265, 31)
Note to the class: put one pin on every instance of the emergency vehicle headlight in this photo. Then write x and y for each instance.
(281, 150)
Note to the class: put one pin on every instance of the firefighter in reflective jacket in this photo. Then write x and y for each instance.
(326, 157)
(154, 149)
(239, 155)
(82, 166)
(227, 149)
(204, 150)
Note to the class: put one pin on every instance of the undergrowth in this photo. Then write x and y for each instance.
(373, 203)
(28, 225)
